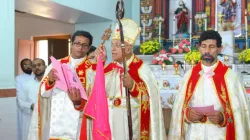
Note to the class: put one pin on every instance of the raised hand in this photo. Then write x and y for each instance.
(101, 50)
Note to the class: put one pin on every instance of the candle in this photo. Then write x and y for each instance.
(246, 29)
(160, 31)
(190, 26)
(160, 21)
(174, 25)
(144, 29)
(205, 22)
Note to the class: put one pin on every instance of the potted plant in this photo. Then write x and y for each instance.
(182, 47)
(192, 57)
(150, 47)
(162, 58)
(244, 56)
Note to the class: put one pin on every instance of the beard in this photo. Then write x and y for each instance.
(208, 58)
(39, 74)
(27, 71)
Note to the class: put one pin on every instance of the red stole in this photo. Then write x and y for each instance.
(221, 90)
(144, 97)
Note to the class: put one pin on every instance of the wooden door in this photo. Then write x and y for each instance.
(25, 49)
(57, 48)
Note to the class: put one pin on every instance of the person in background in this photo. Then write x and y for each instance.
(29, 94)
(21, 79)
(91, 54)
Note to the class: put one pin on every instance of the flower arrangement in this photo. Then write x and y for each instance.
(162, 57)
(182, 47)
(150, 47)
(192, 57)
(244, 56)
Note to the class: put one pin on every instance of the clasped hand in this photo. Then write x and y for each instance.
(214, 117)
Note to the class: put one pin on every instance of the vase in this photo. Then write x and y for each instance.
(163, 66)
(193, 63)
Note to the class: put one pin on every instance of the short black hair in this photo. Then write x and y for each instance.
(25, 59)
(211, 34)
(92, 49)
(41, 60)
(82, 33)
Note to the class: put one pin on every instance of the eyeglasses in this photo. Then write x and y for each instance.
(35, 65)
(26, 65)
(78, 44)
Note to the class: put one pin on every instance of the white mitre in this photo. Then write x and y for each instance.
(130, 30)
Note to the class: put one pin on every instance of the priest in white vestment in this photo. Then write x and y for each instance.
(29, 96)
(210, 83)
(57, 114)
(21, 79)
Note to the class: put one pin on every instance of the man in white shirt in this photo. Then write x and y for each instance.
(29, 94)
(20, 81)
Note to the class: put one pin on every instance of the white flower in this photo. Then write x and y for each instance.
(157, 58)
(177, 47)
(163, 55)
(170, 59)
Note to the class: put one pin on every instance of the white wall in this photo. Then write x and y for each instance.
(7, 75)
(97, 30)
(8, 119)
(135, 14)
(102, 8)
(27, 25)
(7, 49)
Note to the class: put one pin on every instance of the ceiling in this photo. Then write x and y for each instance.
(51, 10)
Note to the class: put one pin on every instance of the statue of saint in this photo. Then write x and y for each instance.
(181, 13)
(229, 11)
